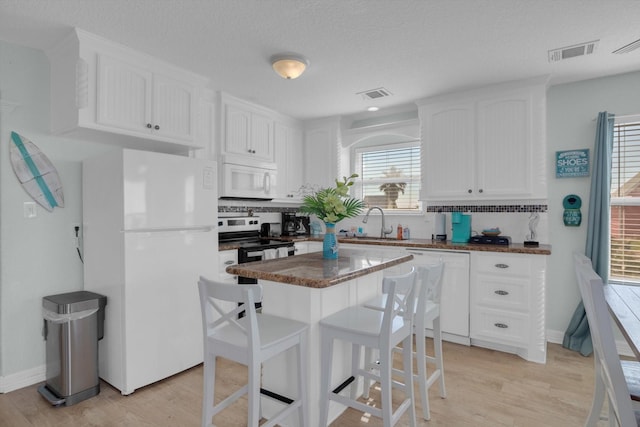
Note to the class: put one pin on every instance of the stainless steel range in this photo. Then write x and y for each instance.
(245, 232)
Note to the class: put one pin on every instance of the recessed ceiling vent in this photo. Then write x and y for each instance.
(628, 48)
(573, 51)
(375, 93)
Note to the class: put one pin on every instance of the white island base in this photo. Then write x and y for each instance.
(309, 305)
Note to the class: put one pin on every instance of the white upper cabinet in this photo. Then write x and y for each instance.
(321, 140)
(290, 158)
(448, 168)
(174, 108)
(98, 85)
(485, 145)
(136, 100)
(248, 132)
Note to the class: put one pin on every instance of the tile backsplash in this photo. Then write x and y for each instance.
(513, 219)
(488, 208)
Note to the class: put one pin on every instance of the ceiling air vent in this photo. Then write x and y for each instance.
(572, 51)
(628, 48)
(375, 93)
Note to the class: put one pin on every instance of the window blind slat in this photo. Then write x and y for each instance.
(625, 215)
(390, 177)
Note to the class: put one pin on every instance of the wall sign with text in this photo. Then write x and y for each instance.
(573, 163)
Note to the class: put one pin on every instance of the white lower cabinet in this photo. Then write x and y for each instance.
(307, 247)
(454, 302)
(508, 303)
(301, 248)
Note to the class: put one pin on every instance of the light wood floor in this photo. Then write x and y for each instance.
(484, 388)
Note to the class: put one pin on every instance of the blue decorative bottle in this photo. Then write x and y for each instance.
(330, 243)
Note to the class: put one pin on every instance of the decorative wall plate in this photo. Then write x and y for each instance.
(36, 173)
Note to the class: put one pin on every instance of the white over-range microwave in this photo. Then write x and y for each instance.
(248, 182)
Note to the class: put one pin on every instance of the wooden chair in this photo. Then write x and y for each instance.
(608, 366)
(249, 340)
(427, 308)
(381, 330)
(630, 369)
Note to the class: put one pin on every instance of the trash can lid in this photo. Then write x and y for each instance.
(73, 302)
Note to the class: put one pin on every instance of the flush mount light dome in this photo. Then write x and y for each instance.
(289, 66)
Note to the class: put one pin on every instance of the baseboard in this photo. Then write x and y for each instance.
(23, 379)
(38, 374)
(556, 337)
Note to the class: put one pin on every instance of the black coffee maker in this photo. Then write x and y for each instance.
(294, 225)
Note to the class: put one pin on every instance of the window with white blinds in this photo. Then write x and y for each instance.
(625, 203)
(389, 175)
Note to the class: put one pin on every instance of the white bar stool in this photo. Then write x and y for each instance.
(426, 308)
(381, 330)
(249, 340)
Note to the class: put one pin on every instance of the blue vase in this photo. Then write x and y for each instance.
(330, 243)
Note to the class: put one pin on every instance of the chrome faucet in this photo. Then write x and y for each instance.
(383, 230)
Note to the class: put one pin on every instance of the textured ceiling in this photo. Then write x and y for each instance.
(412, 48)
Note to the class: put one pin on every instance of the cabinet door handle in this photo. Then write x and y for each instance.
(501, 325)
(469, 191)
(480, 190)
(148, 125)
(502, 266)
(501, 292)
(156, 127)
(230, 262)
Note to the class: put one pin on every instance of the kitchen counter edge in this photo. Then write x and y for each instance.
(280, 269)
(516, 248)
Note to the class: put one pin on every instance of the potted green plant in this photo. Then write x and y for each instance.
(332, 205)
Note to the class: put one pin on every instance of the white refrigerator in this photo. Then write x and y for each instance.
(149, 232)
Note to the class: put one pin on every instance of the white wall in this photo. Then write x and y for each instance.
(37, 256)
(571, 110)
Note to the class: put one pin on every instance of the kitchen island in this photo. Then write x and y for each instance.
(308, 288)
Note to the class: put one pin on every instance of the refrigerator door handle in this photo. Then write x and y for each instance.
(204, 229)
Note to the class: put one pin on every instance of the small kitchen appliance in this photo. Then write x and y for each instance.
(295, 225)
(491, 240)
(461, 227)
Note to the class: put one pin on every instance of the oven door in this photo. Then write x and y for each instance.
(255, 254)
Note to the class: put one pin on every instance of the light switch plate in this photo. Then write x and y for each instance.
(30, 209)
(208, 178)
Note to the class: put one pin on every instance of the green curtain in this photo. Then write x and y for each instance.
(577, 336)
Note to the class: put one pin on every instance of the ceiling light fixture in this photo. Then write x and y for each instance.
(372, 108)
(289, 66)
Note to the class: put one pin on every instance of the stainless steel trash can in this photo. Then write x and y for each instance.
(73, 324)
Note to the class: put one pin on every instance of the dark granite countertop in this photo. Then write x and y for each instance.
(313, 271)
(516, 248)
